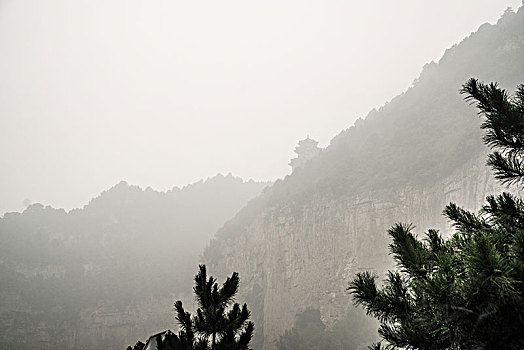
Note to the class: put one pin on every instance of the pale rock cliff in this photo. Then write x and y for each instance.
(299, 256)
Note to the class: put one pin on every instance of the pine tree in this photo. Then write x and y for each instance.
(504, 125)
(465, 292)
(215, 326)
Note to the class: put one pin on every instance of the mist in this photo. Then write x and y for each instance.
(164, 93)
(326, 159)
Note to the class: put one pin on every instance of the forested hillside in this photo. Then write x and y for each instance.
(117, 263)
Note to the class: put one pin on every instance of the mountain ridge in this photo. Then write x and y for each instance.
(404, 161)
(117, 263)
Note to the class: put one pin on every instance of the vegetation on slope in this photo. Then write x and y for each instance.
(414, 140)
(125, 247)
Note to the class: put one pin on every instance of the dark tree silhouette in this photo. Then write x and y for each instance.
(215, 326)
(465, 292)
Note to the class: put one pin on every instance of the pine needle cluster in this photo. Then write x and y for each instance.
(504, 125)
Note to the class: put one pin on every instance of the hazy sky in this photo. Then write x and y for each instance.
(164, 93)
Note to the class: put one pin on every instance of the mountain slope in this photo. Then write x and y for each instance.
(107, 274)
(297, 244)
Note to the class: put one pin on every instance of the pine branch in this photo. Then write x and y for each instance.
(376, 346)
(229, 289)
(394, 335)
(184, 321)
(503, 124)
(463, 220)
(508, 169)
(518, 99)
(364, 290)
(245, 336)
(408, 251)
(398, 300)
(505, 211)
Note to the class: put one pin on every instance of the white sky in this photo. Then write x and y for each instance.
(164, 93)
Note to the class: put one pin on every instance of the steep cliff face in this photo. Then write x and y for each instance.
(296, 257)
(298, 245)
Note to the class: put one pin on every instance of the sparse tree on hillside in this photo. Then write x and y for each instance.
(465, 292)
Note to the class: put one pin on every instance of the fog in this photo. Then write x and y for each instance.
(165, 93)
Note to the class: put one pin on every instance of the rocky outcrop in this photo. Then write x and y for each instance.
(294, 257)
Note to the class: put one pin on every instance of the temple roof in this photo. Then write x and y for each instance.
(308, 142)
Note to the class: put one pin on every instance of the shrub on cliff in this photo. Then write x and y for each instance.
(465, 292)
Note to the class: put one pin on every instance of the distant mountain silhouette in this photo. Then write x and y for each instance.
(126, 247)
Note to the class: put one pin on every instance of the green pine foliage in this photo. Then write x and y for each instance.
(504, 125)
(214, 326)
(465, 292)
